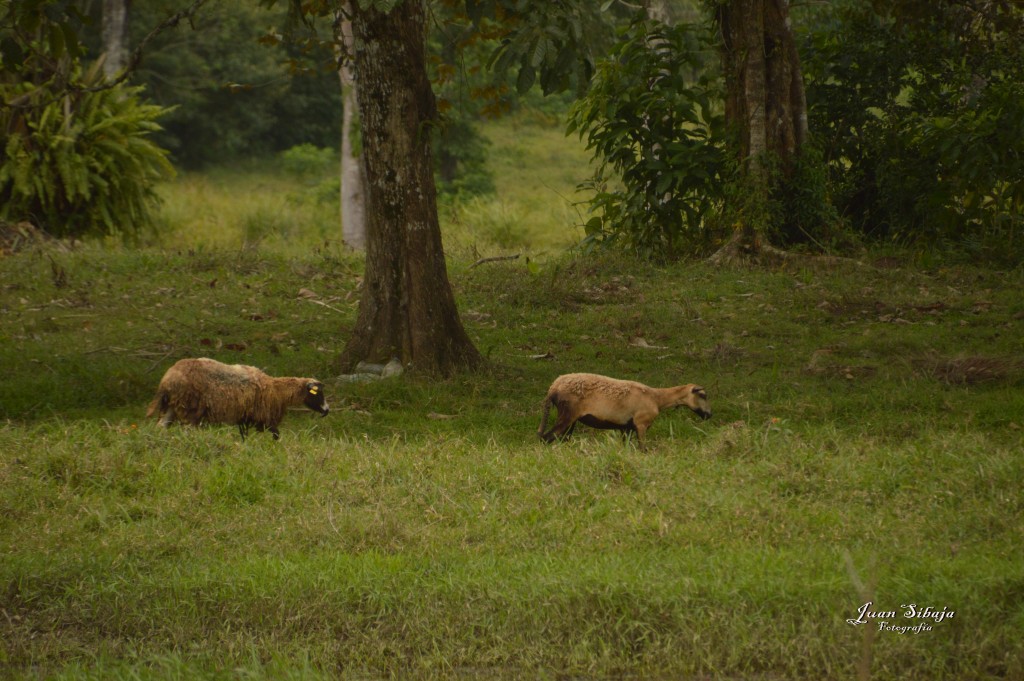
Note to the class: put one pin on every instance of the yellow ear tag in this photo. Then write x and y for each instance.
(313, 390)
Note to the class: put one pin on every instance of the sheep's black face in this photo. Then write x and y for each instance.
(315, 399)
(697, 400)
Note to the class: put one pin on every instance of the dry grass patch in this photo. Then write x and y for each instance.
(971, 370)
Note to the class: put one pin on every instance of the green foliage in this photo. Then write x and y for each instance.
(654, 123)
(553, 44)
(307, 160)
(465, 92)
(40, 39)
(235, 93)
(383, 6)
(76, 157)
(460, 158)
(528, 42)
(535, 169)
(921, 117)
(800, 211)
(80, 163)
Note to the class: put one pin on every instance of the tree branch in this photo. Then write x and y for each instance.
(494, 258)
(134, 60)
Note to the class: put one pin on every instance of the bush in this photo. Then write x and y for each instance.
(657, 132)
(921, 117)
(460, 158)
(233, 97)
(308, 161)
(81, 163)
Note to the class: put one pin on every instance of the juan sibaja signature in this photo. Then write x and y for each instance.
(887, 619)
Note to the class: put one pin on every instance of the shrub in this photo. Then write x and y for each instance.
(460, 158)
(308, 161)
(657, 132)
(80, 163)
(920, 115)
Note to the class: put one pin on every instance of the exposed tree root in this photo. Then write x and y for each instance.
(746, 246)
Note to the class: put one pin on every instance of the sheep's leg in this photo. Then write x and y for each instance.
(243, 429)
(565, 420)
(560, 409)
(262, 427)
(562, 429)
(557, 431)
(564, 426)
(641, 422)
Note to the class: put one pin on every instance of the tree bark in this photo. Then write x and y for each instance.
(765, 104)
(765, 98)
(407, 309)
(353, 207)
(115, 26)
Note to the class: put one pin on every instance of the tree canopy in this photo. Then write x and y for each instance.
(913, 108)
(913, 116)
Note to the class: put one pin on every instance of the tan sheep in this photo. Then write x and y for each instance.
(610, 403)
(197, 391)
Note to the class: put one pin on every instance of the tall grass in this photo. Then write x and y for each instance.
(533, 211)
(265, 205)
(254, 206)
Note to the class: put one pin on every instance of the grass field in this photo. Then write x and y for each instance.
(261, 206)
(865, 446)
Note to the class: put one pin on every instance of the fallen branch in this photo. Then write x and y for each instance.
(329, 307)
(494, 258)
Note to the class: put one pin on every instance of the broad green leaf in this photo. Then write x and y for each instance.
(526, 78)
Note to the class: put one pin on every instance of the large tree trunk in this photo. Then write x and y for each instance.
(765, 91)
(353, 207)
(765, 102)
(407, 309)
(115, 26)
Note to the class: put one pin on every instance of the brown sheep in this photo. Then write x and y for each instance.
(610, 403)
(196, 391)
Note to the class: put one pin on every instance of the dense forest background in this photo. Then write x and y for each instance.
(914, 112)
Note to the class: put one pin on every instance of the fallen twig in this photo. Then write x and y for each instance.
(319, 302)
(494, 258)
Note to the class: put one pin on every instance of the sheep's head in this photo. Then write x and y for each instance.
(696, 399)
(315, 398)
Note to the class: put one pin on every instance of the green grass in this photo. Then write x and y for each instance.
(536, 170)
(866, 445)
(255, 206)
(259, 206)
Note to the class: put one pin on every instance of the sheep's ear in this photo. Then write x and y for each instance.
(697, 390)
(313, 388)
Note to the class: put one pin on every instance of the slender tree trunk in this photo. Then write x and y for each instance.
(115, 26)
(407, 309)
(765, 104)
(353, 207)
